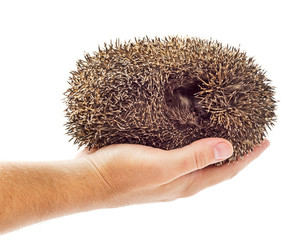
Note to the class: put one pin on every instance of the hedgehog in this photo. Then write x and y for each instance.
(167, 93)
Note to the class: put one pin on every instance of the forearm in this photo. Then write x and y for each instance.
(34, 191)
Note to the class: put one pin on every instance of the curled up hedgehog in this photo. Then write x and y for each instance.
(167, 93)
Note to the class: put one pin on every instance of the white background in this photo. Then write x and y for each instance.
(39, 44)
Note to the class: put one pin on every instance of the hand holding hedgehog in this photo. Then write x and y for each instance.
(192, 102)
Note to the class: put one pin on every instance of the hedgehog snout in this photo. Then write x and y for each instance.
(186, 99)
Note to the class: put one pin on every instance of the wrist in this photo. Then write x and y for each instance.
(83, 186)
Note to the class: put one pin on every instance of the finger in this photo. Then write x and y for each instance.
(195, 156)
(215, 174)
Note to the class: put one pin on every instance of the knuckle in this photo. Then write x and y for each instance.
(200, 159)
(190, 162)
(196, 160)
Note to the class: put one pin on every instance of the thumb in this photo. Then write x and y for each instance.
(196, 155)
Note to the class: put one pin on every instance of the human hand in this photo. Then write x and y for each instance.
(113, 176)
(131, 174)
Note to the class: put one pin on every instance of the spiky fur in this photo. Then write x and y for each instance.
(166, 93)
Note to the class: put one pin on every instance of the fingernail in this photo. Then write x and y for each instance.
(222, 151)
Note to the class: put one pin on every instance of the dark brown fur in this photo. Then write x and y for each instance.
(166, 93)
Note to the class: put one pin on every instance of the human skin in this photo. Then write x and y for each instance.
(113, 176)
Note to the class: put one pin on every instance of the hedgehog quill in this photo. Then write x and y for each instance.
(167, 93)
